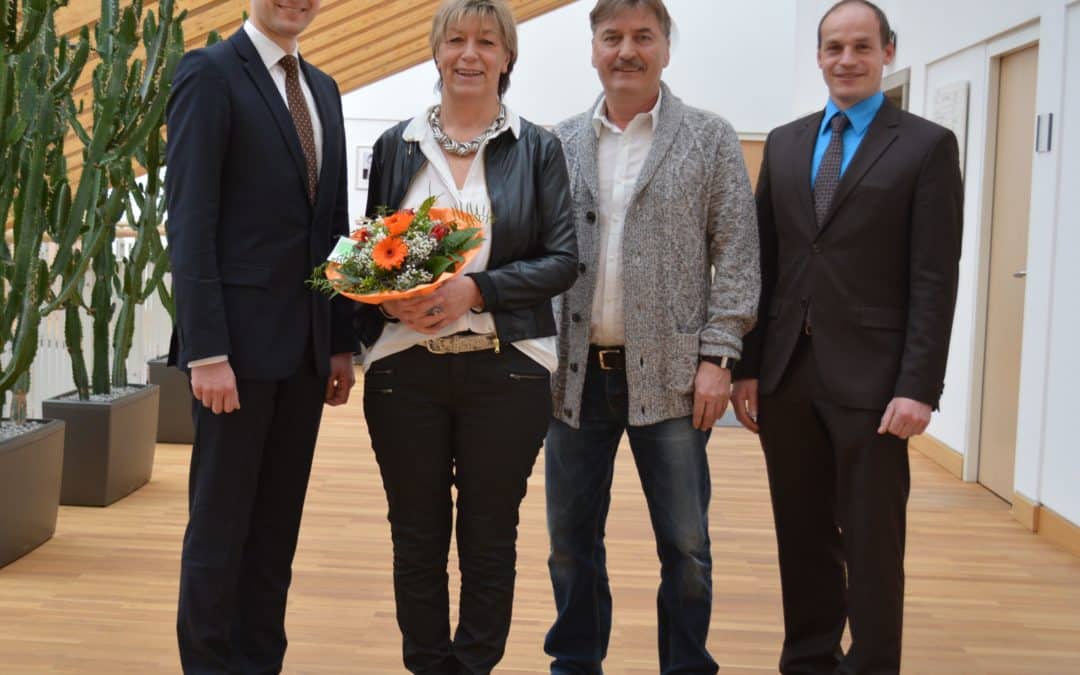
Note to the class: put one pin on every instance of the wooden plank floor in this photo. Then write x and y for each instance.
(984, 596)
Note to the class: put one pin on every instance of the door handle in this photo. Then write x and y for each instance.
(1022, 274)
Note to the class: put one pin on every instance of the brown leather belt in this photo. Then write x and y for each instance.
(608, 358)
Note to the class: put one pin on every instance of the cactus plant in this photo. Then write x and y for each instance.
(37, 73)
(129, 98)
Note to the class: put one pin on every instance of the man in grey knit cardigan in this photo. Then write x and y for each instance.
(668, 285)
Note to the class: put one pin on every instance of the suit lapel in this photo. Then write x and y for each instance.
(260, 77)
(880, 135)
(805, 139)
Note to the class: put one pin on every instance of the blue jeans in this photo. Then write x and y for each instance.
(672, 465)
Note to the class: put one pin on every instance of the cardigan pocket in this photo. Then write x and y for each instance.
(682, 365)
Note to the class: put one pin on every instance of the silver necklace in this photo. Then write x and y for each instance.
(463, 148)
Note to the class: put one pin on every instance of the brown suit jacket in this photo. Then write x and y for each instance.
(877, 281)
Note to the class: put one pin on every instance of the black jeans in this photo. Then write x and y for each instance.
(474, 421)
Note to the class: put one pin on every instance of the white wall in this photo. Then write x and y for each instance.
(1061, 462)
(729, 56)
(943, 41)
(927, 30)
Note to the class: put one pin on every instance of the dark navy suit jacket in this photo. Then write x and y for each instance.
(243, 234)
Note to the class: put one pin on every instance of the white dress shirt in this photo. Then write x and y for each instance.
(271, 54)
(436, 179)
(620, 154)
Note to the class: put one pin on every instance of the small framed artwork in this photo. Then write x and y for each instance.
(363, 166)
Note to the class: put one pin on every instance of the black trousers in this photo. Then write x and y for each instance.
(249, 476)
(839, 495)
(474, 421)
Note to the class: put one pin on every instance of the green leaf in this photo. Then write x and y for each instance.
(438, 264)
(458, 238)
(422, 212)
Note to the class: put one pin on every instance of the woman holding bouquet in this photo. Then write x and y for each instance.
(457, 384)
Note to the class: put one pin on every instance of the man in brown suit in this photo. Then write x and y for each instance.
(860, 214)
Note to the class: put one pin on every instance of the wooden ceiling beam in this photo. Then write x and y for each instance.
(356, 41)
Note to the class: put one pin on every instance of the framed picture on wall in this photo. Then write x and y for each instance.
(363, 166)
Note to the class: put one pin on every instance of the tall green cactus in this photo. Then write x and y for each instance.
(129, 98)
(37, 73)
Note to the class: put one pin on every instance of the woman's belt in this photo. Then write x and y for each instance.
(459, 343)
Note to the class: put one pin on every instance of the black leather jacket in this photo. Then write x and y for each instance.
(534, 255)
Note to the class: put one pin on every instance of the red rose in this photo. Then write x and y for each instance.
(439, 231)
(361, 235)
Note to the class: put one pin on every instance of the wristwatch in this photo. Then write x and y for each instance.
(727, 362)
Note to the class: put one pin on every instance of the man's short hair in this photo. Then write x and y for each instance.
(887, 35)
(605, 9)
(454, 11)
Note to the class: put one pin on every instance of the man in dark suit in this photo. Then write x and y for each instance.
(860, 214)
(256, 191)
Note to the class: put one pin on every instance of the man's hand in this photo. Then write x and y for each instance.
(215, 385)
(745, 399)
(904, 418)
(712, 390)
(342, 379)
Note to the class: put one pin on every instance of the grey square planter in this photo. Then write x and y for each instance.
(30, 470)
(174, 409)
(108, 446)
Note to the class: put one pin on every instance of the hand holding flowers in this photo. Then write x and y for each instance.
(430, 313)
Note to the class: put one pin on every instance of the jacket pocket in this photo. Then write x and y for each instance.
(241, 274)
(683, 361)
(883, 317)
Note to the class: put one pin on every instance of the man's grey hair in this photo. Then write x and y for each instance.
(605, 9)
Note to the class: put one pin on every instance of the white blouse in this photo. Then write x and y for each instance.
(436, 179)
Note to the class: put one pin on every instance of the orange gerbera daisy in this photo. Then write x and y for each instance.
(390, 253)
(399, 222)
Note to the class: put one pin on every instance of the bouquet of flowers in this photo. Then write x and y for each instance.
(401, 255)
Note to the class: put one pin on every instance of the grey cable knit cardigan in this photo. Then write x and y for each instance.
(690, 274)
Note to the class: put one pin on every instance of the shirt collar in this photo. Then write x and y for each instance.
(600, 118)
(418, 128)
(268, 50)
(859, 115)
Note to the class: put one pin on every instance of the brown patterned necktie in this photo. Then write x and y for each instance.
(828, 175)
(302, 120)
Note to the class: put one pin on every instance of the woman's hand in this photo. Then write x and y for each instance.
(430, 313)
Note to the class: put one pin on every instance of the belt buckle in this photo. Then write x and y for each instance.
(601, 354)
(437, 346)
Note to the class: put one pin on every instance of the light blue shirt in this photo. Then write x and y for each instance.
(859, 117)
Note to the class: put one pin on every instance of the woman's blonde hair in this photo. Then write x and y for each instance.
(455, 11)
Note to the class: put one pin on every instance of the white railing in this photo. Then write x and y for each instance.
(50, 374)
